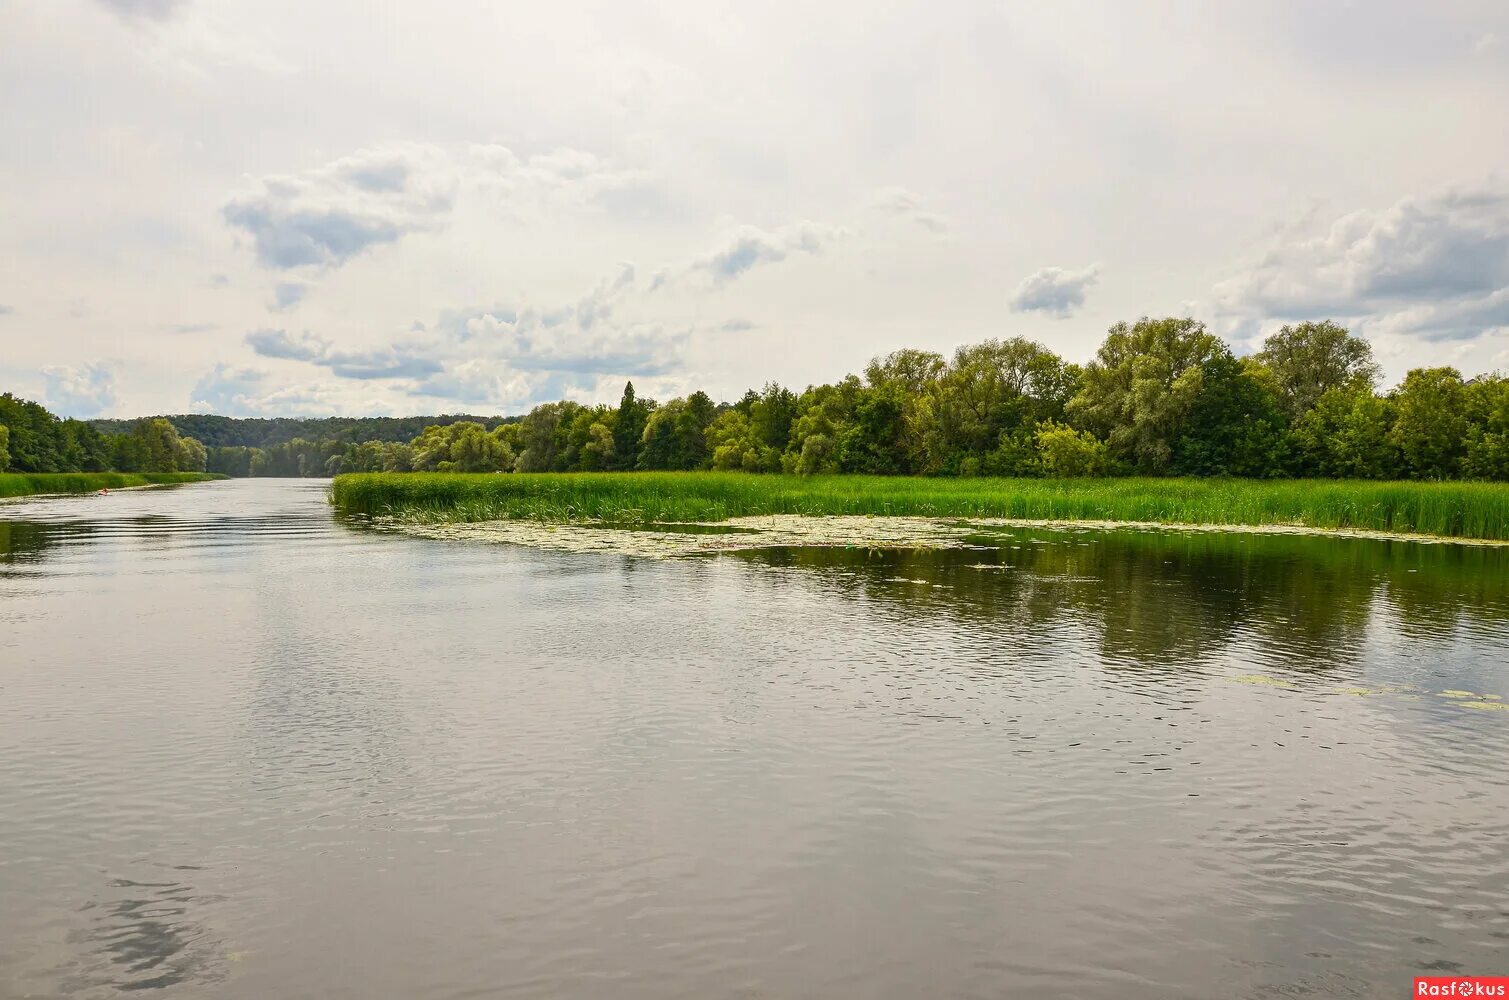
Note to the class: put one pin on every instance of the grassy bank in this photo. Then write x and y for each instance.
(1457, 510)
(25, 484)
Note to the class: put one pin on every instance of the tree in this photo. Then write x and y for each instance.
(1236, 424)
(1065, 452)
(992, 389)
(628, 427)
(1487, 455)
(1346, 434)
(4, 447)
(1138, 392)
(874, 442)
(675, 436)
(1309, 359)
(1430, 426)
(538, 433)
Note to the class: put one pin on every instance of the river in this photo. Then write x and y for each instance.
(248, 750)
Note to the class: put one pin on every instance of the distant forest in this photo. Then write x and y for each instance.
(1162, 396)
(261, 432)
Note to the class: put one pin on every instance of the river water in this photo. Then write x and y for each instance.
(250, 751)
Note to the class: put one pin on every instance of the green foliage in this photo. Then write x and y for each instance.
(1142, 386)
(4, 447)
(1067, 453)
(1487, 455)
(628, 427)
(217, 431)
(1470, 510)
(1161, 397)
(1236, 423)
(21, 484)
(1346, 436)
(1310, 359)
(1430, 423)
(41, 443)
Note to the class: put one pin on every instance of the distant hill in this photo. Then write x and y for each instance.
(261, 432)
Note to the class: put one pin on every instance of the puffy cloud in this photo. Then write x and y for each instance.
(84, 391)
(508, 355)
(387, 363)
(229, 390)
(903, 204)
(326, 216)
(251, 392)
(1436, 266)
(751, 246)
(1054, 290)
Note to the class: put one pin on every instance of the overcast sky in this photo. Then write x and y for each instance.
(308, 208)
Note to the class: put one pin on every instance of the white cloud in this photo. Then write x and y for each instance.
(83, 391)
(393, 362)
(903, 204)
(1435, 265)
(229, 390)
(1054, 290)
(326, 216)
(751, 246)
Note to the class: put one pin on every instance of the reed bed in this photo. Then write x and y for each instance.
(1453, 510)
(24, 484)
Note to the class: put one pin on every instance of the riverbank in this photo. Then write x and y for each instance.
(1455, 510)
(26, 484)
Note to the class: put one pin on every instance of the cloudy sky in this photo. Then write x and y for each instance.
(346, 207)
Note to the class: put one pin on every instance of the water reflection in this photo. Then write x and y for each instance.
(1159, 598)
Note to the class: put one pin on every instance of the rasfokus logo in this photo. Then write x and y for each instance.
(1462, 986)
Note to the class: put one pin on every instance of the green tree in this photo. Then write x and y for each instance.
(990, 397)
(675, 436)
(628, 427)
(1236, 425)
(1346, 435)
(1065, 452)
(1139, 391)
(1430, 424)
(1487, 453)
(4, 447)
(1309, 359)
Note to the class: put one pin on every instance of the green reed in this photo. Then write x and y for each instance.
(1455, 509)
(22, 484)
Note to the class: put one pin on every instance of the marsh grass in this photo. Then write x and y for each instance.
(1455, 509)
(24, 484)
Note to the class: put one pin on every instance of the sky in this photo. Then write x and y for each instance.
(304, 209)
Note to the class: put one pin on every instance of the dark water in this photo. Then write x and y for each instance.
(247, 751)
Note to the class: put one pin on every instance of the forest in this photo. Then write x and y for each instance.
(1161, 397)
(33, 440)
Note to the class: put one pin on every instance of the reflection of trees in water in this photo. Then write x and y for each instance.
(26, 541)
(1163, 598)
(145, 937)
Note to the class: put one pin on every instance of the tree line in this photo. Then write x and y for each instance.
(1160, 397)
(32, 439)
(216, 431)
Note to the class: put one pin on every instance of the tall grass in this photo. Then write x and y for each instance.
(1457, 510)
(23, 484)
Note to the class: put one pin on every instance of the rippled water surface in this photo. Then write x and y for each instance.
(249, 751)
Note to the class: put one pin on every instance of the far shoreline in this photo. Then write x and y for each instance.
(34, 485)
